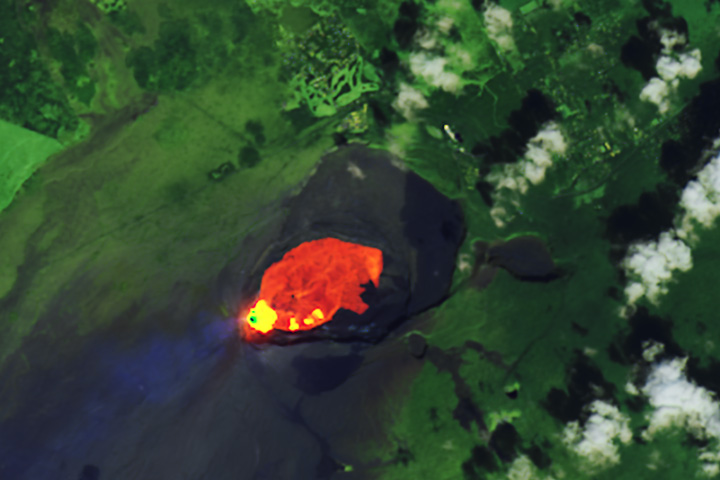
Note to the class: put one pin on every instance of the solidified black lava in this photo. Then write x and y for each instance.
(318, 375)
(417, 345)
(90, 472)
(525, 257)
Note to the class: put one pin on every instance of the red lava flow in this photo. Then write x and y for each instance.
(311, 283)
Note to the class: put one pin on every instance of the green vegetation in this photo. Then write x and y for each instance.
(218, 174)
(128, 21)
(74, 52)
(327, 70)
(187, 51)
(323, 8)
(110, 6)
(28, 95)
(23, 152)
(428, 438)
(249, 157)
(172, 62)
(257, 131)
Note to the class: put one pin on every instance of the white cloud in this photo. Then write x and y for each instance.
(651, 265)
(464, 264)
(549, 142)
(426, 39)
(701, 198)
(409, 100)
(710, 469)
(432, 70)
(671, 67)
(498, 215)
(598, 442)
(634, 292)
(657, 92)
(509, 177)
(523, 469)
(685, 65)
(589, 351)
(676, 402)
(498, 25)
(690, 64)
(680, 403)
(671, 39)
(652, 349)
(355, 171)
(514, 178)
(535, 173)
(711, 463)
(631, 389)
(444, 24)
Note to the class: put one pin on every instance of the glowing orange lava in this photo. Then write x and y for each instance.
(312, 282)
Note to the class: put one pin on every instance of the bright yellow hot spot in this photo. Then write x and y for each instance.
(261, 317)
(317, 315)
(294, 325)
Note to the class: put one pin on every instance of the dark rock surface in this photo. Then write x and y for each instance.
(525, 257)
(358, 195)
(417, 345)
